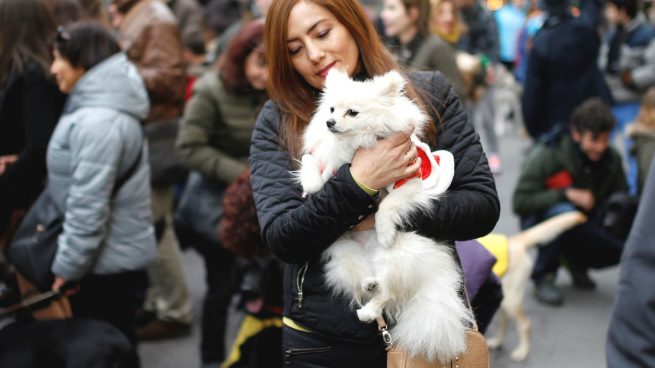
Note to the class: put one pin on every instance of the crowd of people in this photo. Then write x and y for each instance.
(145, 127)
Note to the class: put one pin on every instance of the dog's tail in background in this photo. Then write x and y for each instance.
(548, 230)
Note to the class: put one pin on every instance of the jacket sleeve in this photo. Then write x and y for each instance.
(95, 154)
(294, 228)
(22, 180)
(202, 113)
(534, 98)
(161, 63)
(444, 62)
(644, 75)
(531, 194)
(470, 208)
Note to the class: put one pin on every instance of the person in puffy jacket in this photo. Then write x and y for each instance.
(303, 41)
(108, 239)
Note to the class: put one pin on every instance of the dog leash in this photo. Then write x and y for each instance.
(39, 299)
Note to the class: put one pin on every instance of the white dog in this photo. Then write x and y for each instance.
(515, 279)
(413, 279)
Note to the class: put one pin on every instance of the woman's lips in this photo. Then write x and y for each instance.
(323, 72)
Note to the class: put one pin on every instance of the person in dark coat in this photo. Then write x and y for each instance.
(562, 70)
(631, 337)
(304, 40)
(582, 172)
(30, 103)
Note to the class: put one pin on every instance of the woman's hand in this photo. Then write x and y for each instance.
(390, 160)
(6, 161)
(58, 283)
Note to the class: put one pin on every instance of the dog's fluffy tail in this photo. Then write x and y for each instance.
(548, 230)
(432, 323)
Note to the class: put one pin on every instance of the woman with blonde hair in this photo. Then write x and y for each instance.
(304, 40)
(406, 27)
(445, 20)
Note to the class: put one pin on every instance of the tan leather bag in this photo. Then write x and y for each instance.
(475, 356)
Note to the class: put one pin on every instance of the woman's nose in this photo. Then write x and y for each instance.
(314, 53)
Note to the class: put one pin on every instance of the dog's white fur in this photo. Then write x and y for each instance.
(412, 279)
(516, 278)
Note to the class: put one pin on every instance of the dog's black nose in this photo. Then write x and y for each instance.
(330, 123)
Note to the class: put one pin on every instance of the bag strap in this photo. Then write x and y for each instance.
(124, 178)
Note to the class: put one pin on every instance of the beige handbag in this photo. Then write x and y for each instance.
(475, 356)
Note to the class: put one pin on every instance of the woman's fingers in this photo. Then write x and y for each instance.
(412, 168)
(392, 159)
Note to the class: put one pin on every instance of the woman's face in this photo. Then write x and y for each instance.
(66, 74)
(396, 18)
(255, 70)
(317, 42)
(444, 17)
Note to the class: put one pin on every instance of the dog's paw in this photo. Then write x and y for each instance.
(370, 285)
(310, 175)
(368, 314)
(385, 235)
(519, 354)
(494, 343)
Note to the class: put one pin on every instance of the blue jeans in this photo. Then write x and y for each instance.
(584, 246)
(625, 113)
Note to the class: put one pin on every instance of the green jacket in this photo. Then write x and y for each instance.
(214, 137)
(643, 149)
(533, 194)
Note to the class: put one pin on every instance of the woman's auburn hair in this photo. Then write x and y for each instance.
(295, 98)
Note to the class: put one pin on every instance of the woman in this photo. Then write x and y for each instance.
(214, 140)
(406, 23)
(30, 103)
(98, 176)
(304, 39)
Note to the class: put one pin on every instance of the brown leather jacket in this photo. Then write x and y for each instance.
(151, 38)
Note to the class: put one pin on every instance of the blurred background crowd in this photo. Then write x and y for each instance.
(575, 78)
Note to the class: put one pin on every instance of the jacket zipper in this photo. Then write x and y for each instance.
(300, 280)
(302, 351)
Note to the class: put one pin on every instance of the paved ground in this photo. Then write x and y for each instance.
(570, 336)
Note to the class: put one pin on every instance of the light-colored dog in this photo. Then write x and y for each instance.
(515, 279)
(412, 279)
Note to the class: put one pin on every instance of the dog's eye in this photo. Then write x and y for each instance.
(352, 113)
(331, 109)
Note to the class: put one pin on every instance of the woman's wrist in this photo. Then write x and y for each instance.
(364, 187)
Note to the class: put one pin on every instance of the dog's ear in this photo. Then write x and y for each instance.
(390, 84)
(334, 78)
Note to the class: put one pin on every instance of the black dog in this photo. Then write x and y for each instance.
(72, 343)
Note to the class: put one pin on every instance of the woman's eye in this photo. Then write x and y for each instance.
(294, 51)
(323, 34)
(352, 113)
